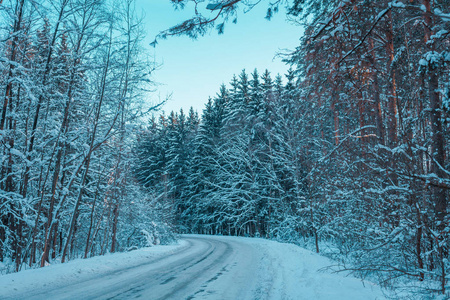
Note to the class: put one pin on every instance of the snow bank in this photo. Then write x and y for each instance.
(288, 271)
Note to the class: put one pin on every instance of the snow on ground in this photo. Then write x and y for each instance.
(288, 271)
(263, 269)
(79, 270)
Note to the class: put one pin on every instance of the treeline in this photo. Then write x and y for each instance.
(239, 170)
(72, 79)
(352, 149)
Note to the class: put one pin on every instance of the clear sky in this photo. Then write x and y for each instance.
(193, 70)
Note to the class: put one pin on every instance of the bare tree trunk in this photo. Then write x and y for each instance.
(75, 212)
(88, 239)
(91, 145)
(32, 140)
(376, 95)
(114, 226)
(39, 212)
(50, 224)
(106, 230)
(392, 101)
(14, 46)
(335, 115)
(419, 234)
(316, 236)
(41, 96)
(51, 212)
(55, 240)
(437, 145)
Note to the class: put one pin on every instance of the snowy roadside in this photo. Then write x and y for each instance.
(287, 271)
(302, 272)
(78, 270)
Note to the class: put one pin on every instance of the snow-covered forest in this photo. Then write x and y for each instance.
(73, 77)
(349, 149)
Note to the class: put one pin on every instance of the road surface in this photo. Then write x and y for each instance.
(198, 271)
(204, 267)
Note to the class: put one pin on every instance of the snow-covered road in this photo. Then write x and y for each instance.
(200, 267)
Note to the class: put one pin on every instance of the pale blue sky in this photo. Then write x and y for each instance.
(193, 70)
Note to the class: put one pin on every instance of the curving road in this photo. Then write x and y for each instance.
(200, 267)
(208, 268)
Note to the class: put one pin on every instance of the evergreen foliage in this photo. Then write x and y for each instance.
(229, 172)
